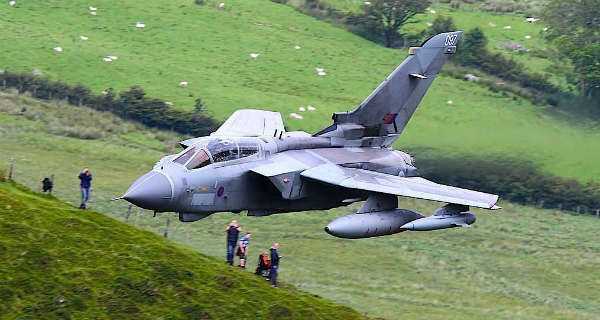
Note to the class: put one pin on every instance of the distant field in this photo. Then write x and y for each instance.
(500, 29)
(518, 263)
(210, 49)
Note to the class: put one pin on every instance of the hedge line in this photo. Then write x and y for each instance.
(513, 179)
(131, 104)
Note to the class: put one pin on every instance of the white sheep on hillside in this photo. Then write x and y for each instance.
(221, 5)
(311, 108)
(140, 25)
(92, 8)
(183, 84)
(302, 109)
(254, 55)
(12, 3)
(531, 19)
(57, 49)
(296, 116)
(84, 38)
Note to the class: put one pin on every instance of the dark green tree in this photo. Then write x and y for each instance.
(386, 18)
(441, 24)
(574, 27)
(472, 48)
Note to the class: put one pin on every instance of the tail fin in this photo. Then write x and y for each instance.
(387, 110)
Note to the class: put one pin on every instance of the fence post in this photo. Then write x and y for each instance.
(11, 169)
(541, 204)
(578, 209)
(128, 212)
(598, 213)
(560, 206)
(166, 234)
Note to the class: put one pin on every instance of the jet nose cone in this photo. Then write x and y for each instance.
(151, 191)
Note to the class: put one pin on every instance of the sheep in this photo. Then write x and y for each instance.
(297, 47)
(254, 55)
(296, 116)
(431, 11)
(320, 69)
(321, 73)
(107, 59)
(221, 5)
(140, 25)
(12, 3)
(112, 57)
(183, 84)
(450, 102)
(84, 38)
(92, 8)
(311, 108)
(491, 24)
(507, 27)
(527, 37)
(531, 19)
(301, 109)
(93, 13)
(471, 77)
(57, 49)
(367, 3)
(429, 24)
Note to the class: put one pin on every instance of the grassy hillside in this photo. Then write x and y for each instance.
(517, 263)
(210, 49)
(62, 263)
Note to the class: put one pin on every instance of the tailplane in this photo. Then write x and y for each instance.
(386, 111)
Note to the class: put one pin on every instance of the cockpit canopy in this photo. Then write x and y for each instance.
(213, 150)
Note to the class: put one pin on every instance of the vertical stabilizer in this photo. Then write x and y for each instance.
(387, 110)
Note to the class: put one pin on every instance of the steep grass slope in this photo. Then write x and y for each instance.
(518, 263)
(62, 263)
(210, 49)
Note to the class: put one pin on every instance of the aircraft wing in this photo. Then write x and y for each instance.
(251, 123)
(413, 187)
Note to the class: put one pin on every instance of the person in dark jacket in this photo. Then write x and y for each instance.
(233, 232)
(85, 184)
(274, 264)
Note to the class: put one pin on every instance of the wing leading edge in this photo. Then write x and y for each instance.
(413, 187)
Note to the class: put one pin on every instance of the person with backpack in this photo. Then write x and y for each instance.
(274, 264)
(233, 231)
(242, 250)
(264, 264)
(85, 184)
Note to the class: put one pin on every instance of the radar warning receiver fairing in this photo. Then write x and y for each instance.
(252, 164)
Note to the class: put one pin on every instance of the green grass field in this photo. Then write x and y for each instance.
(518, 263)
(61, 263)
(210, 49)
(499, 28)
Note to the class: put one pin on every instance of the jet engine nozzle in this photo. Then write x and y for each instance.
(152, 191)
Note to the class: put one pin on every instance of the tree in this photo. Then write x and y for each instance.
(386, 17)
(574, 27)
(441, 24)
(472, 48)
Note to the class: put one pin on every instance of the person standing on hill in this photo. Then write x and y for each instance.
(242, 250)
(233, 232)
(274, 264)
(85, 184)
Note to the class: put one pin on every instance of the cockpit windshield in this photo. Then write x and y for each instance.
(217, 150)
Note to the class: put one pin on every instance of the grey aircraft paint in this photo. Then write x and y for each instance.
(251, 164)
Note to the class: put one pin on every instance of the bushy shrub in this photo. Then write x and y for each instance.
(131, 104)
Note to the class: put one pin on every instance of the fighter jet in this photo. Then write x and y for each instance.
(250, 163)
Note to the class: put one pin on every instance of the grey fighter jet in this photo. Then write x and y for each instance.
(252, 164)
